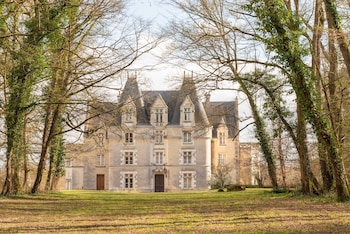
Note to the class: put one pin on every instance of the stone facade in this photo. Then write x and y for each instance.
(155, 141)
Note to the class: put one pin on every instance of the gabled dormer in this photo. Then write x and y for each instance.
(128, 112)
(159, 112)
(222, 132)
(187, 110)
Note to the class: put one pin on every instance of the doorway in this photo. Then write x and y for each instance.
(100, 182)
(159, 183)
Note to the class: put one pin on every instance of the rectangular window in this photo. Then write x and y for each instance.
(100, 160)
(221, 159)
(159, 158)
(129, 158)
(68, 163)
(159, 115)
(187, 137)
(128, 115)
(129, 137)
(129, 180)
(100, 139)
(222, 138)
(187, 157)
(187, 114)
(159, 137)
(187, 180)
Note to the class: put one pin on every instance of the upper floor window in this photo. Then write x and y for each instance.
(128, 115)
(159, 115)
(129, 137)
(100, 139)
(187, 114)
(187, 137)
(158, 137)
(100, 160)
(159, 158)
(222, 138)
(187, 157)
(129, 158)
(222, 159)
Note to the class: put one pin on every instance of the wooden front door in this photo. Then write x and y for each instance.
(100, 182)
(159, 183)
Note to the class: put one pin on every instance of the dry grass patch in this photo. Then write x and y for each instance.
(249, 211)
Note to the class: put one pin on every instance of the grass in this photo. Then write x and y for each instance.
(249, 211)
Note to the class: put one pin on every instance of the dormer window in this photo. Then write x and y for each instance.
(128, 115)
(187, 114)
(159, 115)
(159, 112)
(222, 138)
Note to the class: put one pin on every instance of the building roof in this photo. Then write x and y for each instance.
(206, 114)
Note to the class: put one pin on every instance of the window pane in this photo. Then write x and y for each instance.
(187, 114)
(187, 138)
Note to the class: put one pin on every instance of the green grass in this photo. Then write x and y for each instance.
(249, 211)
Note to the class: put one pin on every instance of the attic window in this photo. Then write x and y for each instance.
(222, 138)
(187, 114)
(128, 115)
(159, 115)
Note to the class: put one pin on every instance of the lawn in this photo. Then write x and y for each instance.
(249, 211)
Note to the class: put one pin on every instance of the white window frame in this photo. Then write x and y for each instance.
(222, 138)
(125, 157)
(185, 154)
(159, 137)
(100, 160)
(187, 114)
(128, 180)
(187, 180)
(159, 116)
(187, 157)
(129, 158)
(159, 157)
(221, 159)
(129, 138)
(128, 115)
(187, 137)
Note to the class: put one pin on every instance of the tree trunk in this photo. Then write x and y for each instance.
(263, 138)
(334, 21)
(288, 48)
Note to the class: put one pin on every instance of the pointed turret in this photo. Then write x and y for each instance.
(132, 92)
(188, 88)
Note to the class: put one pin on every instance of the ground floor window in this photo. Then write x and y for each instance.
(187, 180)
(128, 180)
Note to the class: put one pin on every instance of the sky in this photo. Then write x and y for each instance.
(158, 11)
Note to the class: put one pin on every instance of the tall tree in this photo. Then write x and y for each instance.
(208, 39)
(282, 30)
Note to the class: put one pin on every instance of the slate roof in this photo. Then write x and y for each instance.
(206, 114)
(226, 112)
